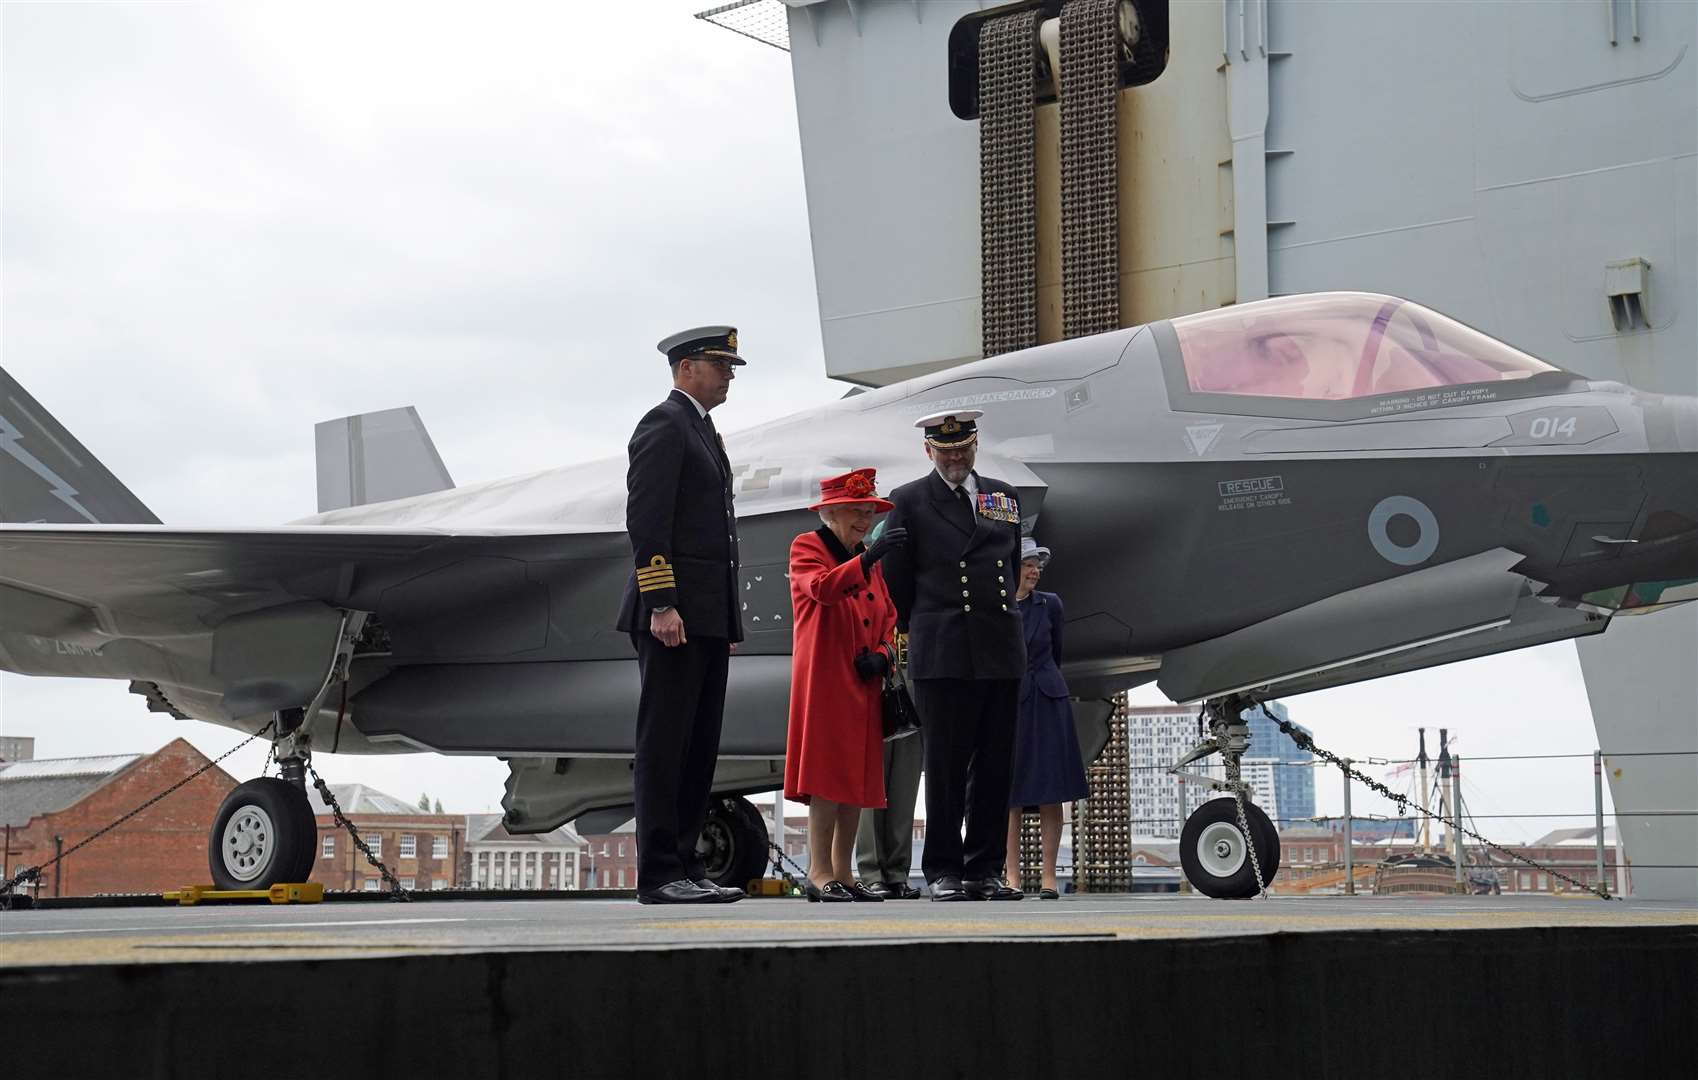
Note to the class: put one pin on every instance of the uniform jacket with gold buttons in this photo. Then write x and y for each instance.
(682, 524)
(954, 582)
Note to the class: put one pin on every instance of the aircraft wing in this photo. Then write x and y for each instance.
(245, 610)
(104, 580)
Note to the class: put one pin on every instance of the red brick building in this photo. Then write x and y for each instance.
(425, 850)
(1313, 859)
(609, 860)
(65, 800)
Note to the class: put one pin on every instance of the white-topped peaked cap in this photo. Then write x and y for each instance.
(947, 430)
(714, 342)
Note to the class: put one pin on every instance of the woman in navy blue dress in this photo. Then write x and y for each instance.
(1048, 767)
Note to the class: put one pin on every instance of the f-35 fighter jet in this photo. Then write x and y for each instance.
(1255, 501)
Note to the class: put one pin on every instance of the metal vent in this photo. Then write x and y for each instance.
(767, 21)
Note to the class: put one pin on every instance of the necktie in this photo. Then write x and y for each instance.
(966, 500)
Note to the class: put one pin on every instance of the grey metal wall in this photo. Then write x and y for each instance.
(893, 186)
(1486, 159)
(1489, 160)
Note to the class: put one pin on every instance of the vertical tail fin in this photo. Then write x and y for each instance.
(375, 457)
(46, 475)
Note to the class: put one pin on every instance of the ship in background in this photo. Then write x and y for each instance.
(1526, 168)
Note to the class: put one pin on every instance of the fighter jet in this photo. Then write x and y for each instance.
(1256, 501)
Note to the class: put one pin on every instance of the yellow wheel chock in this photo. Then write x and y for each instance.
(309, 892)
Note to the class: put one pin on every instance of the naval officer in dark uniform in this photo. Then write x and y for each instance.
(954, 588)
(680, 608)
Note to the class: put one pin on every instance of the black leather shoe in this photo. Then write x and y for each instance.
(903, 891)
(882, 889)
(862, 893)
(727, 894)
(835, 892)
(949, 888)
(682, 891)
(993, 889)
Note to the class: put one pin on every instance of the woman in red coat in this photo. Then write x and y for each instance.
(834, 756)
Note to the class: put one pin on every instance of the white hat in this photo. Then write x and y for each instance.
(1029, 549)
(951, 428)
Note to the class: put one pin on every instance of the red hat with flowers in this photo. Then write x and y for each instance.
(856, 486)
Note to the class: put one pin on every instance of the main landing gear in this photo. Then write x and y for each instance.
(265, 832)
(733, 844)
(1229, 848)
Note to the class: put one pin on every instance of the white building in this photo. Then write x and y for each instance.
(1156, 737)
(500, 860)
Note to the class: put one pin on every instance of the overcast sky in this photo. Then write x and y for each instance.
(221, 224)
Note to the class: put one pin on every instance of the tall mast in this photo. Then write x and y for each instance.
(1421, 793)
(1444, 780)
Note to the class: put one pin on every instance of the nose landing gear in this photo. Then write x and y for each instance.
(1229, 849)
(265, 832)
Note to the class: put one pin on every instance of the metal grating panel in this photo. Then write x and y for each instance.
(1008, 199)
(1102, 825)
(1090, 178)
(767, 21)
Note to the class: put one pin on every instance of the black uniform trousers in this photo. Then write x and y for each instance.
(678, 722)
(968, 728)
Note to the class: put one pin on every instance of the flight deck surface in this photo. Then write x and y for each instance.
(372, 929)
(1087, 985)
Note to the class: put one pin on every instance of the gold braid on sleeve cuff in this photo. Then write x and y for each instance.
(656, 575)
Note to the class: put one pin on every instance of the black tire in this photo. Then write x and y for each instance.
(308, 861)
(1223, 870)
(734, 842)
(269, 828)
(1268, 852)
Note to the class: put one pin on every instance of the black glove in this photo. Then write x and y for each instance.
(872, 664)
(888, 541)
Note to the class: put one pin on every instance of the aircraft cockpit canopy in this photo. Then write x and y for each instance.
(1367, 353)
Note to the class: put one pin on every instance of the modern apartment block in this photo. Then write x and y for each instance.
(1276, 770)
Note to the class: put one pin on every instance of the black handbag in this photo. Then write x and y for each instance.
(901, 718)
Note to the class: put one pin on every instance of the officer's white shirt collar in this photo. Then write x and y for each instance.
(971, 484)
(701, 412)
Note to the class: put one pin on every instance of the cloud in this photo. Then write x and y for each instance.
(223, 223)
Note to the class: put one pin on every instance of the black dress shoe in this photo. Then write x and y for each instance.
(993, 889)
(904, 891)
(726, 893)
(835, 892)
(862, 893)
(949, 888)
(832, 892)
(1048, 894)
(682, 891)
(882, 889)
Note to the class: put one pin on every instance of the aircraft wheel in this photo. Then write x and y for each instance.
(264, 835)
(733, 845)
(1214, 854)
(1268, 852)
